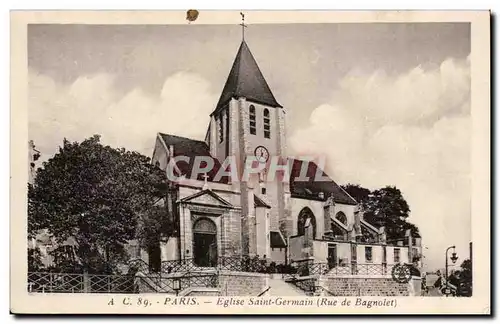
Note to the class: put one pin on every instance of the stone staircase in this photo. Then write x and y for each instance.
(278, 287)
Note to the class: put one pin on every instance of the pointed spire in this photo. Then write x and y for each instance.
(246, 80)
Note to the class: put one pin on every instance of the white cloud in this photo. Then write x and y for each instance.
(93, 105)
(412, 131)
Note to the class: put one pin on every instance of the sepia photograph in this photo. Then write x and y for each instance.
(253, 162)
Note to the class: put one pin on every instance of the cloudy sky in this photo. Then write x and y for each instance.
(389, 104)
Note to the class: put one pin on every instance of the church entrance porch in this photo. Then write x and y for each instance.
(205, 243)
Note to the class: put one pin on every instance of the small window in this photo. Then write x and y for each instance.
(396, 256)
(368, 254)
(263, 191)
(253, 123)
(267, 124)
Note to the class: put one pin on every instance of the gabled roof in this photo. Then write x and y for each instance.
(192, 148)
(213, 199)
(276, 240)
(246, 80)
(311, 188)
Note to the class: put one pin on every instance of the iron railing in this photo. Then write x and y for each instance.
(249, 264)
(228, 263)
(310, 268)
(162, 284)
(47, 282)
(185, 265)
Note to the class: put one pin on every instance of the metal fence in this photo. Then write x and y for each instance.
(310, 268)
(253, 264)
(47, 282)
(228, 263)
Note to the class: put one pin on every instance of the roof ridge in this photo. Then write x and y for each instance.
(311, 187)
(181, 137)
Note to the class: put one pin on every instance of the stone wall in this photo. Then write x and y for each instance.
(381, 286)
(242, 283)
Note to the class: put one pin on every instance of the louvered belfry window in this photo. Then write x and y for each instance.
(253, 124)
(267, 124)
(220, 127)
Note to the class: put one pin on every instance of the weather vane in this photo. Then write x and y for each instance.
(243, 26)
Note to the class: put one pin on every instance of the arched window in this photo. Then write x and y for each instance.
(341, 217)
(306, 218)
(253, 124)
(267, 124)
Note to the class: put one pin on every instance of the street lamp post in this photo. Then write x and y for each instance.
(454, 259)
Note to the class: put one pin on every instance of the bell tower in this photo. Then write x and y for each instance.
(247, 124)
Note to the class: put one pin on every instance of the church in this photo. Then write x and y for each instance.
(282, 219)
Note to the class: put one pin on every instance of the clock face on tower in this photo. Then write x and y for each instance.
(261, 154)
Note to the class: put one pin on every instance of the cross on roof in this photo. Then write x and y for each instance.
(205, 176)
(243, 26)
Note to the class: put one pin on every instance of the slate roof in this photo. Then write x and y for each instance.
(246, 80)
(277, 240)
(192, 148)
(311, 188)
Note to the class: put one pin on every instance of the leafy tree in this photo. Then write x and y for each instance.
(360, 194)
(153, 226)
(34, 260)
(466, 278)
(96, 195)
(384, 207)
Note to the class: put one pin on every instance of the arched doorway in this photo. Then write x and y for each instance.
(306, 218)
(205, 243)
